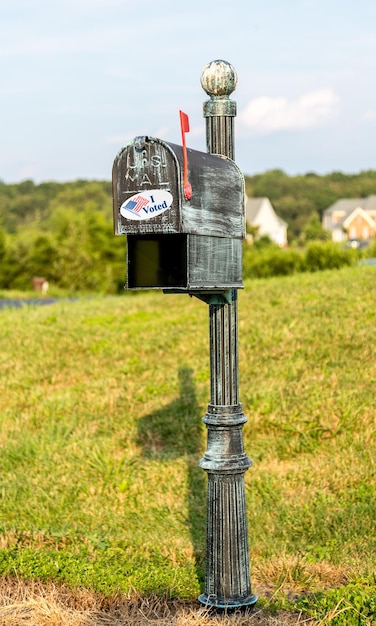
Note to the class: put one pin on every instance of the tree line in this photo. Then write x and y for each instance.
(64, 231)
(300, 200)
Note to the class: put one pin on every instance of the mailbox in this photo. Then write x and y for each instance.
(174, 242)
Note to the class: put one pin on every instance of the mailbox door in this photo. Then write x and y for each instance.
(146, 180)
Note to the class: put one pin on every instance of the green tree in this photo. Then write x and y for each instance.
(2, 244)
(15, 271)
(313, 230)
(43, 252)
(88, 257)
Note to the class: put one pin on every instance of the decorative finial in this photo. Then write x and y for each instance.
(219, 79)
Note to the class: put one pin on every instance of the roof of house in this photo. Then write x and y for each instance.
(345, 218)
(370, 204)
(253, 206)
(349, 204)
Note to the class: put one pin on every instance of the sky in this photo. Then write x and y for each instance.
(81, 78)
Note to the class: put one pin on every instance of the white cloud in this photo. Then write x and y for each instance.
(196, 132)
(162, 132)
(119, 140)
(369, 116)
(266, 115)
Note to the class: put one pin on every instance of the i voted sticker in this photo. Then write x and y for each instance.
(145, 205)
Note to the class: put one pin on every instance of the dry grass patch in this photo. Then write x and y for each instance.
(292, 576)
(32, 603)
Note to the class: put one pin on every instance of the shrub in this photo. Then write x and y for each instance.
(370, 252)
(271, 261)
(328, 255)
(267, 261)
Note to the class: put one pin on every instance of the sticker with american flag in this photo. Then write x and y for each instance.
(135, 204)
(146, 205)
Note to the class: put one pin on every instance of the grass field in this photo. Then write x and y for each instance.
(101, 434)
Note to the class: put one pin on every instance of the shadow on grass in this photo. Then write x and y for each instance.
(173, 432)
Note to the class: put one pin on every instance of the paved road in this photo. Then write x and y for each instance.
(18, 303)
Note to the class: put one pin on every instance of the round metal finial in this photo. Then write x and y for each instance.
(219, 79)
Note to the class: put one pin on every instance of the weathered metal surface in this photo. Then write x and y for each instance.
(219, 80)
(187, 263)
(145, 165)
(148, 164)
(194, 246)
(177, 244)
(214, 262)
(228, 580)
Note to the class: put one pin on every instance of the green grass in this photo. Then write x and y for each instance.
(100, 432)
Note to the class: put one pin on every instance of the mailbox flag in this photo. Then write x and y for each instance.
(184, 124)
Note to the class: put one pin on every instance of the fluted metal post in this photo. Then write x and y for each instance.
(228, 580)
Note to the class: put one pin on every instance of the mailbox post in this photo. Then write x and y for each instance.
(228, 581)
(193, 244)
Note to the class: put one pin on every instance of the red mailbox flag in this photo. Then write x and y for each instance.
(184, 124)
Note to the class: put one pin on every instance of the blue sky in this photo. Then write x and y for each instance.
(79, 78)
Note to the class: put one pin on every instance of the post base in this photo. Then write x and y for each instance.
(211, 602)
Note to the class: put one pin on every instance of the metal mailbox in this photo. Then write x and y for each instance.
(175, 243)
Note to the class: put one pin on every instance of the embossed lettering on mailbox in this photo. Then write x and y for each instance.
(146, 188)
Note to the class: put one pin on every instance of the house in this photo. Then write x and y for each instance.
(260, 213)
(352, 218)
